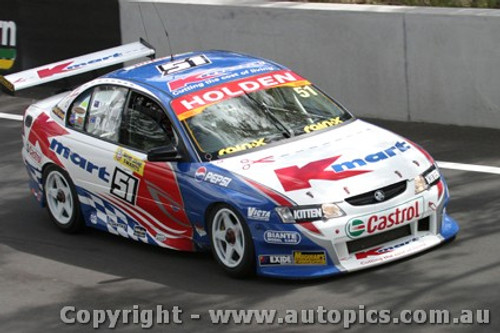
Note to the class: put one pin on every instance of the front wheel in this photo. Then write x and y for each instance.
(62, 201)
(231, 242)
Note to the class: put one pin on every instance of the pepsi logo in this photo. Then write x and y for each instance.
(199, 175)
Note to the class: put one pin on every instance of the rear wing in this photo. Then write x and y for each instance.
(75, 66)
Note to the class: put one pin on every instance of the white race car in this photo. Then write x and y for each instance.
(233, 153)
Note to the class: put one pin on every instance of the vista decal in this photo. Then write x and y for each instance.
(192, 104)
(258, 214)
(400, 147)
(387, 219)
(294, 178)
(8, 44)
(69, 66)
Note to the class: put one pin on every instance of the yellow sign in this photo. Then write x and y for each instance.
(309, 258)
(129, 161)
(6, 83)
(7, 45)
(245, 146)
(58, 112)
(322, 125)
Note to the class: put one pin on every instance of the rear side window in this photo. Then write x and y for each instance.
(105, 112)
(99, 112)
(78, 111)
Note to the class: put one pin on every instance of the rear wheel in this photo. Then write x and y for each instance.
(62, 201)
(231, 242)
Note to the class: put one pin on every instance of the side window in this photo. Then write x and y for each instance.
(105, 112)
(78, 110)
(145, 124)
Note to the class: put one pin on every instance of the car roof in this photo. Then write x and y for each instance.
(220, 67)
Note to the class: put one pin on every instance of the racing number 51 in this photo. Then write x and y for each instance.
(124, 186)
(180, 65)
(305, 92)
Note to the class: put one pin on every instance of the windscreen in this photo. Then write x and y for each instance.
(257, 118)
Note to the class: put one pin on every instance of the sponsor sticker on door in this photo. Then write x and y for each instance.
(384, 220)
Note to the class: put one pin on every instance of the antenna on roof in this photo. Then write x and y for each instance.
(166, 32)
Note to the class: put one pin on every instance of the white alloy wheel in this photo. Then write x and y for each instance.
(59, 197)
(228, 238)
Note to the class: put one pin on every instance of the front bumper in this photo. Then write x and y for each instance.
(336, 246)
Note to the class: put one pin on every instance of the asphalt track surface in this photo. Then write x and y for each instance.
(42, 269)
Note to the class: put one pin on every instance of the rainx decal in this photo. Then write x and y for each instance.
(244, 146)
(323, 124)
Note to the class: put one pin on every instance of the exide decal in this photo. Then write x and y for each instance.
(294, 178)
(385, 219)
(372, 158)
(270, 260)
(78, 160)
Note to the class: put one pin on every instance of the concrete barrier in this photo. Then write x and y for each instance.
(400, 63)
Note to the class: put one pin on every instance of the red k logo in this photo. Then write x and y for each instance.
(42, 129)
(61, 68)
(294, 178)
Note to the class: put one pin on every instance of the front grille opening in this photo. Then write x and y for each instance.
(384, 237)
(368, 198)
(424, 224)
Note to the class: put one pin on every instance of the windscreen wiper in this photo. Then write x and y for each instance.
(287, 132)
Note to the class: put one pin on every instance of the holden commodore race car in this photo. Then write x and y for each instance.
(237, 154)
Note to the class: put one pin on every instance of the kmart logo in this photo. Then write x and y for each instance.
(7, 44)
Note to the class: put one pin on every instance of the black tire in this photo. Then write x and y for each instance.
(237, 265)
(59, 190)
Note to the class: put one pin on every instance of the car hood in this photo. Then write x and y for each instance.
(332, 165)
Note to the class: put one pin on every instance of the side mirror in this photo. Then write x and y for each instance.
(164, 154)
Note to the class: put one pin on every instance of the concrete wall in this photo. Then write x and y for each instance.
(400, 63)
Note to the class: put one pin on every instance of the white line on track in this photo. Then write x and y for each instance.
(469, 167)
(442, 165)
(11, 116)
